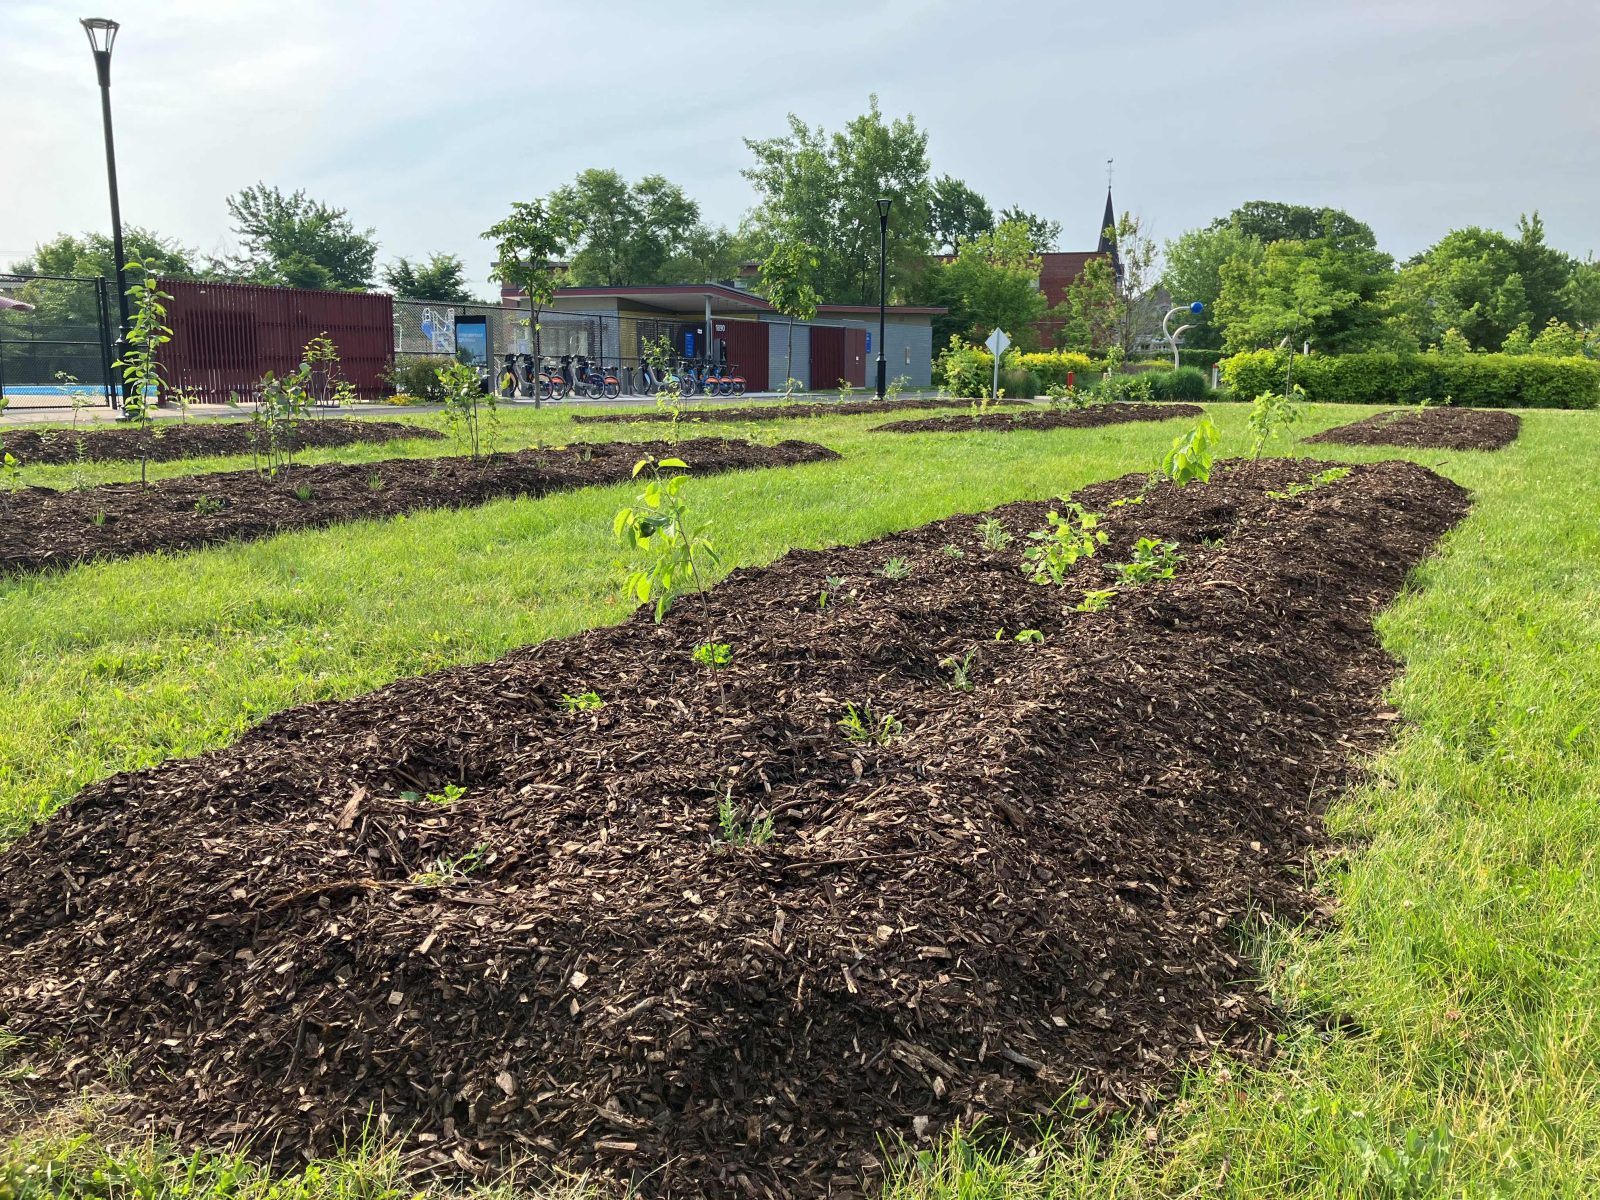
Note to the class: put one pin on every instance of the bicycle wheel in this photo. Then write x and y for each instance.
(610, 389)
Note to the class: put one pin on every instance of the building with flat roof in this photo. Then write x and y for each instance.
(733, 325)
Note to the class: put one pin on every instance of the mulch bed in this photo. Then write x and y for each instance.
(168, 441)
(41, 527)
(779, 412)
(1080, 418)
(1037, 881)
(1429, 428)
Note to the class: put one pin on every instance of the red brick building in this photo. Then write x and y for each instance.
(1059, 269)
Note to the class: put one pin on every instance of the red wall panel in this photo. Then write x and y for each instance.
(226, 335)
(747, 350)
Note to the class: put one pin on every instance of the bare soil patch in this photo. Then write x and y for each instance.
(1032, 882)
(1080, 418)
(42, 527)
(169, 441)
(1429, 428)
(778, 412)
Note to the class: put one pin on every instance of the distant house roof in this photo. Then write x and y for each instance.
(690, 299)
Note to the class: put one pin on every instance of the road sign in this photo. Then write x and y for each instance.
(997, 343)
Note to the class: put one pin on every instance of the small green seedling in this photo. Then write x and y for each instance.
(861, 724)
(992, 535)
(447, 868)
(1094, 601)
(1069, 538)
(954, 551)
(1319, 480)
(207, 506)
(303, 493)
(1152, 560)
(960, 668)
(583, 702)
(713, 655)
(737, 828)
(374, 482)
(1189, 460)
(895, 568)
(452, 792)
(1029, 637)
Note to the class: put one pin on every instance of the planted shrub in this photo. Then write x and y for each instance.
(419, 377)
(1116, 389)
(1481, 380)
(1185, 383)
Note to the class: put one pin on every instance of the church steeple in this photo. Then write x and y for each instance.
(1108, 235)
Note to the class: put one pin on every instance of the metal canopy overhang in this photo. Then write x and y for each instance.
(687, 301)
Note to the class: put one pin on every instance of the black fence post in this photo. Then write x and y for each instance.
(103, 307)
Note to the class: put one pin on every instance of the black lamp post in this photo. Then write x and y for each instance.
(102, 33)
(883, 289)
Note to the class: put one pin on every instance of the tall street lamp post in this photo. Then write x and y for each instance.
(883, 289)
(102, 33)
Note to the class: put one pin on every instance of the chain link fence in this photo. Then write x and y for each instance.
(60, 350)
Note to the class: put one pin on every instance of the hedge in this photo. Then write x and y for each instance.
(1205, 359)
(968, 371)
(1470, 380)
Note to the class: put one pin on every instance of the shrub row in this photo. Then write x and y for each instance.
(1204, 359)
(968, 371)
(1185, 383)
(1480, 380)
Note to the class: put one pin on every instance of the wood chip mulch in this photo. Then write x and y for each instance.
(1429, 428)
(777, 412)
(169, 441)
(1034, 890)
(1080, 418)
(43, 527)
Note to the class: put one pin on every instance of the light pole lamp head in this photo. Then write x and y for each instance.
(102, 33)
(884, 203)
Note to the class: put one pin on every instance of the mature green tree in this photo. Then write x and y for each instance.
(627, 234)
(994, 284)
(1321, 291)
(1268, 221)
(706, 254)
(1193, 271)
(67, 305)
(1043, 233)
(440, 277)
(958, 214)
(295, 241)
(1581, 294)
(820, 190)
(91, 254)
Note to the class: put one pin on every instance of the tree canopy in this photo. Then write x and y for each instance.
(820, 189)
(1194, 265)
(958, 214)
(624, 234)
(994, 283)
(1318, 290)
(295, 241)
(440, 277)
(1043, 233)
(1269, 221)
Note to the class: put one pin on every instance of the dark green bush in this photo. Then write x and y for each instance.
(419, 377)
(1483, 380)
(1186, 383)
(1019, 384)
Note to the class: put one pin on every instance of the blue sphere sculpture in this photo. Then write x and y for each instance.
(1197, 308)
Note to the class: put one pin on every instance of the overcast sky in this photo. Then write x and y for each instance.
(426, 119)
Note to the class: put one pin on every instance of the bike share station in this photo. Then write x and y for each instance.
(708, 339)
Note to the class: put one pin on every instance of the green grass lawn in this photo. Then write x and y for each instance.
(1462, 973)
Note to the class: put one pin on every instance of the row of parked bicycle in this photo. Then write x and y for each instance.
(575, 375)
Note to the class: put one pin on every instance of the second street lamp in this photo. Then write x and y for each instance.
(102, 34)
(883, 289)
